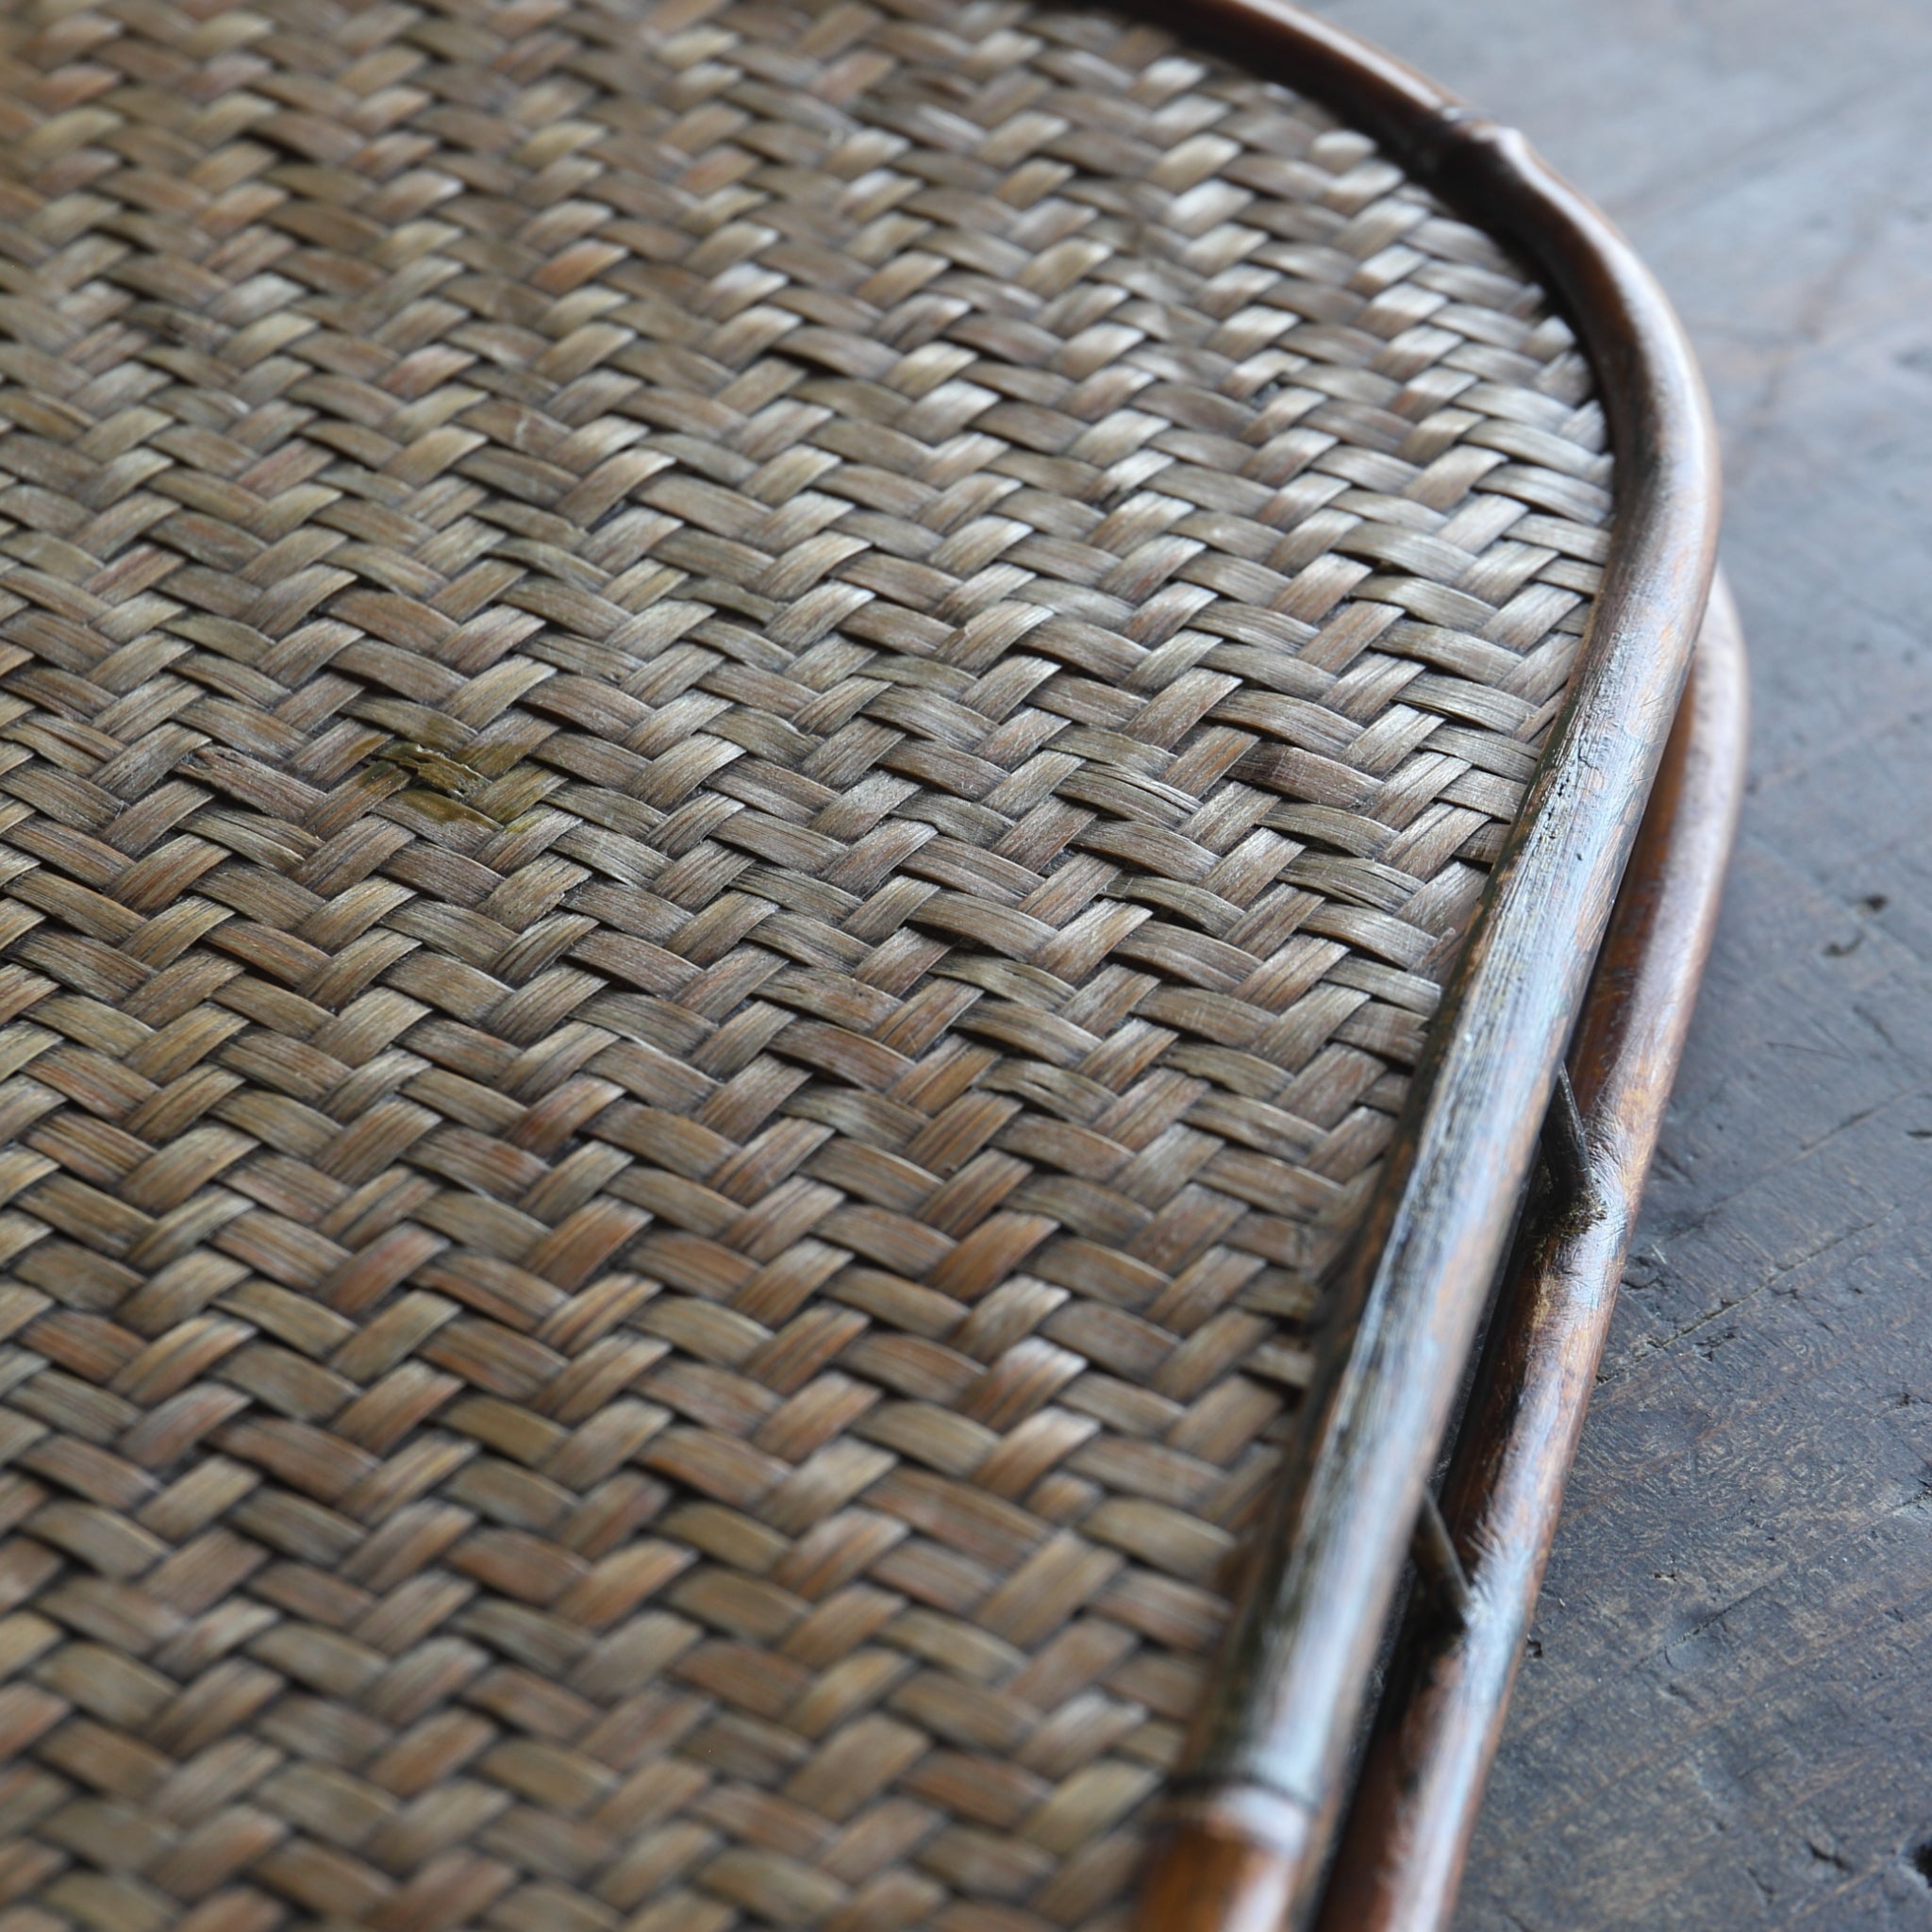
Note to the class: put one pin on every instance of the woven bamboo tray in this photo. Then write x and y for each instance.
(800, 809)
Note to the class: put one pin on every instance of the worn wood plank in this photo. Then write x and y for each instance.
(1720, 1721)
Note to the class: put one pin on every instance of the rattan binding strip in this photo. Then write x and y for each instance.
(740, 748)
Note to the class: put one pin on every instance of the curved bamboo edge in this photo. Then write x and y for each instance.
(1255, 1805)
(1401, 1851)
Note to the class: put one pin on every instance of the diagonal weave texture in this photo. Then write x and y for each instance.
(740, 747)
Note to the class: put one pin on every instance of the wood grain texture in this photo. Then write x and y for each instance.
(1722, 1718)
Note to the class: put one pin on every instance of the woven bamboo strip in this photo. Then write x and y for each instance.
(740, 745)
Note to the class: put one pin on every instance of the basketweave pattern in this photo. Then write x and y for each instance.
(740, 748)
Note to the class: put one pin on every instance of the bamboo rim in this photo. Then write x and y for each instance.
(1409, 1827)
(1258, 1801)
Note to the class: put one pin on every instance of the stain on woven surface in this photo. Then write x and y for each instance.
(670, 1323)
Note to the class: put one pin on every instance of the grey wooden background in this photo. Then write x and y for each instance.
(1725, 1719)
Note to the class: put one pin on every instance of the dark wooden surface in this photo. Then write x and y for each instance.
(1726, 1717)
